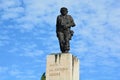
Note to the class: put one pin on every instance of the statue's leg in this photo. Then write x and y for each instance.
(67, 43)
(61, 41)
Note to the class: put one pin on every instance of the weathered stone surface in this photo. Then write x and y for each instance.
(62, 67)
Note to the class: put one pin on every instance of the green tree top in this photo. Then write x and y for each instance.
(43, 76)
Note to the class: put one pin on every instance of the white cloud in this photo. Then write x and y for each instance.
(95, 42)
(17, 72)
(12, 13)
(9, 3)
(3, 42)
(4, 39)
(3, 69)
(33, 53)
(30, 50)
(11, 9)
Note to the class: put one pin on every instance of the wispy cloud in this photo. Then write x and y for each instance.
(3, 69)
(15, 71)
(32, 53)
(27, 28)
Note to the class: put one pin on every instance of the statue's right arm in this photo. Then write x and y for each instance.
(57, 24)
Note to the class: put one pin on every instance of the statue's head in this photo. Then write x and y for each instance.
(63, 11)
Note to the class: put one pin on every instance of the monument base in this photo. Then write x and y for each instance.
(62, 67)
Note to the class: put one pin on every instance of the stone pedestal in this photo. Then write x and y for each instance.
(62, 67)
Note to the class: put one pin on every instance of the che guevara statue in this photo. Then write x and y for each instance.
(64, 33)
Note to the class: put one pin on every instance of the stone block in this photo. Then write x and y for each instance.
(63, 66)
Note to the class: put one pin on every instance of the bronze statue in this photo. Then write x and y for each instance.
(63, 29)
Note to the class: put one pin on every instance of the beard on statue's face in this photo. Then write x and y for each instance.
(64, 12)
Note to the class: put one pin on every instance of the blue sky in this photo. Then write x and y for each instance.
(27, 36)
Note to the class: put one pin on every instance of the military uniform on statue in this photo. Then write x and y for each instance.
(63, 29)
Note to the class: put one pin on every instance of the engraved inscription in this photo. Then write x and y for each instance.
(57, 71)
(54, 74)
